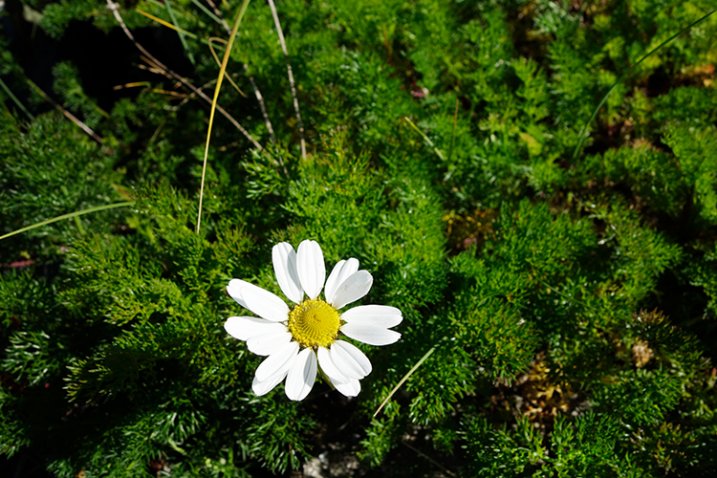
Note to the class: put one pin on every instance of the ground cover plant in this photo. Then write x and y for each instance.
(532, 183)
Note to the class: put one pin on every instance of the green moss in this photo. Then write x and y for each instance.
(567, 304)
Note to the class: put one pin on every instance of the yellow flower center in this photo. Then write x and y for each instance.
(314, 323)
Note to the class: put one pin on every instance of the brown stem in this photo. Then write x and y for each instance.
(290, 74)
(114, 8)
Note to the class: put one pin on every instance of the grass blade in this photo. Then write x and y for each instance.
(209, 41)
(15, 100)
(222, 71)
(207, 12)
(180, 32)
(582, 137)
(162, 69)
(70, 215)
(165, 23)
(425, 138)
(403, 380)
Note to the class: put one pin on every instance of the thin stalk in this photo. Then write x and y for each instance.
(66, 216)
(191, 95)
(161, 68)
(453, 131)
(218, 13)
(403, 380)
(262, 106)
(165, 23)
(15, 100)
(428, 458)
(180, 31)
(209, 13)
(208, 41)
(217, 88)
(67, 114)
(582, 137)
(217, 17)
(290, 74)
(416, 366)
(425, 138)
(219, 62)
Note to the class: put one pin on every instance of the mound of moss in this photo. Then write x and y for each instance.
(553, 250)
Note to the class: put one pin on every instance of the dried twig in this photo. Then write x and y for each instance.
(158, 65)
(290, 74)
(428, 458)
(66, 113)
(210, 41)
(218, 14)
(255, 88)
(191, 96)
(260, 100)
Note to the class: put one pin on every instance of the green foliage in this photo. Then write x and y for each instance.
(704, 274)
(652, 175)
(696, 150)
(645, 396)
(69, 89)
(503, 453)
(56, 17)
(566, 305)
(584, 447)
(48, 170)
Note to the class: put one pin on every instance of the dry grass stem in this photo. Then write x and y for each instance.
(217, 89)
(211, 42)
(162, 69)
(290, 74)
(257, 92)
(80, 124)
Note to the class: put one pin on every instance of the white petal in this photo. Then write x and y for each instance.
(269, 343)
(276, 361)
(263, 387)
(369, 334)
(357, 355)
(383, 316)
(341, 271)
(302, 375)
(350, 360)
(349, 389)
(310, 267)
(235, 293)
(329, 367)
(284, 258)
(353, 288)
(244, 328)
(262, 302)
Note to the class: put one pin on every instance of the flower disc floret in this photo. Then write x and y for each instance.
(314, 323)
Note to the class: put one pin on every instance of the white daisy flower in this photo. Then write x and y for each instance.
(297, 341)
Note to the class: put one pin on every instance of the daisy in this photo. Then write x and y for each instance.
(299, 340)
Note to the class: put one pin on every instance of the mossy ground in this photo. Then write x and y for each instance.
(568, 289)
